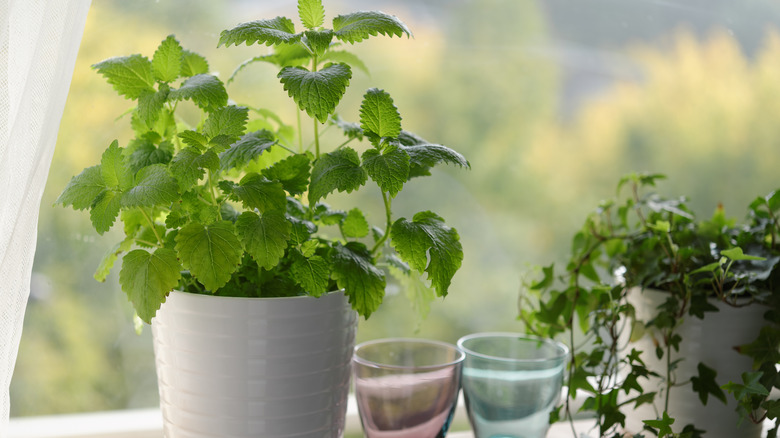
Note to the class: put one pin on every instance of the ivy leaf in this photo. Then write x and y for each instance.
(354, 271)
(229, 121)
(147, 278)
(189, 164)
(355, 224)
(131, 76)
(312, 273)
(428, 245)
(113, 168)
(424, 156)
(153, 186)
(736, 253)
(293, 172)
(82, 189)
(339, 170)
(311, 12)
(211, 252)
(389, 169)
(104, 268)
(105, 209)
(255, 191)
(249, 147)
(318, 92)
(664, 425)
(264, 237)
(274, 31)
(357, 26)
(205, 90)
(193, 64)
(166, 62)
(378, 114)
(704, 384)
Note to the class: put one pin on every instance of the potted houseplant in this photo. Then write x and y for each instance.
(652, 301)
(250, 281)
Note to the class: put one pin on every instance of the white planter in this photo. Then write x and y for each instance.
(253, 367)
(710, 341)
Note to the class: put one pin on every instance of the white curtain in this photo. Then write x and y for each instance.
(39, 40)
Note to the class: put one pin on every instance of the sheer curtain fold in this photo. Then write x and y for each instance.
(39, 40)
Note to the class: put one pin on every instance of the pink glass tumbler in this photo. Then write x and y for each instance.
(406, 388)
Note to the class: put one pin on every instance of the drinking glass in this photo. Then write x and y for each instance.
(511, 383)
(406, 388)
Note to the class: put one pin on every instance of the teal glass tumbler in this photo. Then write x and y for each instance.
(406, 388)
(511, 383)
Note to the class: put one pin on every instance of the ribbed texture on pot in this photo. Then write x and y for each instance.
(243, 367)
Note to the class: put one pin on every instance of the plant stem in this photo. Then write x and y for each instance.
(316, 122)
(388, 218)
(211, 190)
(668, 371)
(300, 130)
(154, 228)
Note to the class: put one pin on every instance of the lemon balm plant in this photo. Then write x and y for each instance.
(204, 210)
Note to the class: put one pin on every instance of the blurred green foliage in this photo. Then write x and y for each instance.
(490, 79)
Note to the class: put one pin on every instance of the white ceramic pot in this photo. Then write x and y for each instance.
(253, 367)
(711, 341)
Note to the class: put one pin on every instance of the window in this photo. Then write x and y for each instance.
(551, 101)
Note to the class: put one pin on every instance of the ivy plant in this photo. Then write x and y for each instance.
(233, 205)
(640, 240)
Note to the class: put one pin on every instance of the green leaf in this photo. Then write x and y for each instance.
(113, 168)
(737, 254)
(255, 191)
(318, 41)
(205, 90)
(229, 121)
(311, 12)
(211, 252)
(248, 148)
(424, 156)
(147, 154)
(312, 273)
(428, 245)
(150, 105)
(194, 138)
(362, 281)
(82, 189)
(704, 384)
(547, 280)
(318, 92)
(167, 60)
(417, 292)
(346, 58)
(264, 237)
(293, 172)
(104, 268)
(131, 76)
(284, 55)
(105, 209)
(378, 114)
(274, 31)
(355, 224)
(339, 170)
(662, 424)
(193, 64)
(389, 169)
(189, 164)
(751, 385)
(301, 230)
(147, 278)
(153, 186)
(357, 26)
